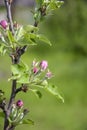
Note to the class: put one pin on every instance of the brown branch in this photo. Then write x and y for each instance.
(12, 127)
(7, 110)
(15, 60)
(9, 16)
(12, 94)
(4, 109)
(18, 90)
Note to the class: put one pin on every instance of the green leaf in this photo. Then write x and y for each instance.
(44, 39)
(37, 93)
(54, 91)
(20, 72)
(32, 39)
(28, 121)
(2, 31)
(14, 77)
(2, 49)
(2, 40)
(19, 68)
(38, 86)
(54, 4)
(25, 66)
(10, 37)
(59, 3)
(27, 40)
(24, 79)
(30, 28)
(20, 32)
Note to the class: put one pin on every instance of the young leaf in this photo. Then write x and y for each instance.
(10, 37)
(25, 66)
(2, 31)
(2, 49)
(20, 72)
(37, 93)
(30, 28)
(19, 68)
(24, 31)
(2, 40)
(24, 79)
(20, 32)
(54, 91)
(59, 3)
(54, 4)
(17, 76)
(28, 121)
(27, 40)
(42, 38)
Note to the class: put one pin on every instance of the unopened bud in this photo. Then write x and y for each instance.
(35, 70)
(49, 74)
(19, 103)
(4, 24)
(43, 65)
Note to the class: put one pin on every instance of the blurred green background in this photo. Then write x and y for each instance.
(67, 30)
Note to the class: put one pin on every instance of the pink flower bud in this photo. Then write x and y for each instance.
(19, 103)
(49, 74)
(35, 70)
(43, 65)
(4, 24)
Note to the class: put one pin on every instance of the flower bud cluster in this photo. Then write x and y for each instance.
(39, 66)
(17, 113)
(40, 72)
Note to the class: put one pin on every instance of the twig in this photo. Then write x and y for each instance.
(23, 88)
(12, 94)
(12, 127)
(9, 16)
(7, 112)
(15, 60)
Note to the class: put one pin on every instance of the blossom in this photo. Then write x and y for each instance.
(4, 24)
(43, 65)
(35, 70)
(19, 103)
(49, 74)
